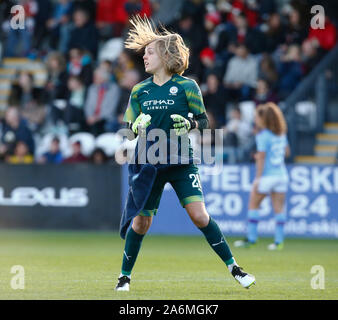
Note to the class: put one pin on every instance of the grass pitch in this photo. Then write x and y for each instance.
(85, 265)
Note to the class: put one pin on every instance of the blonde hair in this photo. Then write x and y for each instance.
(272, 117)
(170, 46)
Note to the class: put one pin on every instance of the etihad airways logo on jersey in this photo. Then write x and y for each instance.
(158, 104)
(149, 103)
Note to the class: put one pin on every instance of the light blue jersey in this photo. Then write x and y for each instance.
(274, 147)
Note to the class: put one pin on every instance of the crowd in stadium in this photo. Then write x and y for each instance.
(241, 50)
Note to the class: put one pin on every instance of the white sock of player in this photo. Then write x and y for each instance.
(230, 266)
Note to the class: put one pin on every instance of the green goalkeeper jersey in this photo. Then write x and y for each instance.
(179, 95)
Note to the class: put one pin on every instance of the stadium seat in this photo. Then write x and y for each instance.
(111, 49)
(247, 111)
(127, 147)
(307, 113)
(87, 142)
(109, 142)
(128, 144)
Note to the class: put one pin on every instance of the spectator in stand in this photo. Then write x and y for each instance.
(242, 33)
(127, 82)
(54, 155)
(249, 9)
(194, 36)
(111, 18)
(101, 102)
(5, 10)
(56, 86)
(77, 156)
(98, 156)
(211, 21)
(237, 131)
(58, 25)
(218, 38)
(207, 64)
(241, 75)
(108, 66)
(84, 34)
(21, 154)
(265, 8)
(124, 63)
(80, 64)
(290, 71)
(324, 39)
(214, 100)
(72, 112)
(14, 129)
(264, 93)
(267, 70)
(41, 34)
(74, 116)
(298, 22)
(31, 99)
(311, 55)
(194, 9)
(20, 36)
(88, 5)
(164, 11)
(140, 7)
(274, 33)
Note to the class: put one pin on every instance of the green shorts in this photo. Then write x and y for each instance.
(184, 179)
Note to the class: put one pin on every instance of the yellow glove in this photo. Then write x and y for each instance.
(181, 125)
(141, 122)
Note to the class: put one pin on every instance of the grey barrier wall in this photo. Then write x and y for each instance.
(69, 196)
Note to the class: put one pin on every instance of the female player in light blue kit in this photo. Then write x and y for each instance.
(271, 173)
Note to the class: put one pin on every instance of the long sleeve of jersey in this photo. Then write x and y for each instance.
(202, 120)
(195, 103)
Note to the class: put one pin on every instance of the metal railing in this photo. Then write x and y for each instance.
(313, 88)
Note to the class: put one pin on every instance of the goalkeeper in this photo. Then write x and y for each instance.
(164, 100)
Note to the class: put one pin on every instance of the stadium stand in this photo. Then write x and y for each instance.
(293, 65)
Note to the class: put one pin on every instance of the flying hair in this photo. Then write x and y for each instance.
(170, 46)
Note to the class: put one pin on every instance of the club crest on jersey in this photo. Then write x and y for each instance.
(173, 91)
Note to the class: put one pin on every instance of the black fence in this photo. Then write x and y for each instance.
(319, 87)
(78, 196)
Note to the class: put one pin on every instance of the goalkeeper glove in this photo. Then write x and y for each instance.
(141, 123)
(182, 125)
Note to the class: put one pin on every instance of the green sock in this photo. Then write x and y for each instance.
(131, 250)
(215, 238)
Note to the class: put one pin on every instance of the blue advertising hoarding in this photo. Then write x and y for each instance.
(312, 202)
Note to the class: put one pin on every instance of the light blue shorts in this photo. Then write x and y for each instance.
(268, 184)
